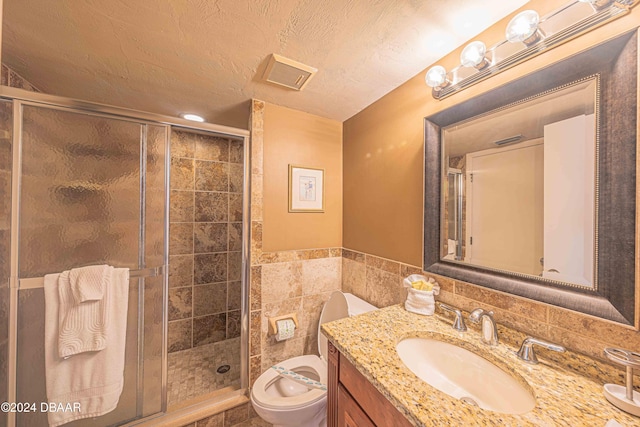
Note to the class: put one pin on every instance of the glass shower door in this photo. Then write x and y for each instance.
(92, 192)
(6, 123)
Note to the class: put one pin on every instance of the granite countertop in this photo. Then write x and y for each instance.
(563, 397)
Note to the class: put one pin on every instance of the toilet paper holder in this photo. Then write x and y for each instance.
(273, 328)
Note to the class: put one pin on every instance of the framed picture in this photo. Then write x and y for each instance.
(306, 189)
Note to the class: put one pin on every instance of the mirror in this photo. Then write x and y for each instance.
(551, 212)
(520, 187)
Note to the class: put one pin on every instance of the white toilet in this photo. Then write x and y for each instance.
(283, 402)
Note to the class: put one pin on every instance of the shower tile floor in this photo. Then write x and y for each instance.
(192, 373)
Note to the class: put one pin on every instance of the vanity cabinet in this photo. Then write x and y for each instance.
(353, 401)
(350, 414)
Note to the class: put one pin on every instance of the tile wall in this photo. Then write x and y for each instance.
(379, 281)
(205, 240)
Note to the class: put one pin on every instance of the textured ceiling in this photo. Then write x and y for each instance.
(207, 56)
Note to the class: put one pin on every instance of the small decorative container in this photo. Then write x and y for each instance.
(420, 301)
(625, 398)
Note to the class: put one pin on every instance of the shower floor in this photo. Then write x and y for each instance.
(192, 373)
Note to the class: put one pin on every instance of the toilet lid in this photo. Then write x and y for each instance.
(268, 400)
(334, 309)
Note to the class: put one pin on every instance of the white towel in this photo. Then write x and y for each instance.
(93, 380)
(420, 302)
(87, 283)
(83, 316)
(451, 246)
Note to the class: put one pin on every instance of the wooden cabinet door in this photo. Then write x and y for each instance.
(333, 378)
(349, 412)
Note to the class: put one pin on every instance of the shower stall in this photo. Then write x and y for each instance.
(84, 184)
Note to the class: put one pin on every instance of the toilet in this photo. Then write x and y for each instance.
(285, 403)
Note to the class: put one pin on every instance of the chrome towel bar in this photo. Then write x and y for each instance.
(38, 282)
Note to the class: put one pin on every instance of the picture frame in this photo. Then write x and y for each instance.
(306, 189)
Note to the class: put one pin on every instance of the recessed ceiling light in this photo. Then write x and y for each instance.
(192, 117)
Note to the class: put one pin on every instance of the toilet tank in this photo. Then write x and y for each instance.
(339, 306)
(357, 305)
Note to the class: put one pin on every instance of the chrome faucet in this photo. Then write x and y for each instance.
(458, 324)
(489, 328)
(527, 354)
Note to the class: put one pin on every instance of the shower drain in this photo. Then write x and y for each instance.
(223, 369)
(470, 401)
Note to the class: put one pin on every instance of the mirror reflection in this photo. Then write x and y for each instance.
(520, 187)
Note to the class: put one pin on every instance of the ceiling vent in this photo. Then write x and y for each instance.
(288, 73)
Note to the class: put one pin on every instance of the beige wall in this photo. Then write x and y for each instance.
(382, 242)
(296, 281)
(383, 147)
(294, 137)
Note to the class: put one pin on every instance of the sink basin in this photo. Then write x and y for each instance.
(464, 375)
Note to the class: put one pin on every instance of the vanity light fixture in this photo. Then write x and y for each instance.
(524, 28)
(473, 55)
(192, 117)
(598, 4)
(436, 77)
(527, 35)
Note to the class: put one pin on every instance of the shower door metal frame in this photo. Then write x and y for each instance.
(21, 97)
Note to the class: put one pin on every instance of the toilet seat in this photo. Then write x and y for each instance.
(336, 308)
(264, 399)
(283, 402)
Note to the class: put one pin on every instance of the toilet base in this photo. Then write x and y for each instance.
(314, 415)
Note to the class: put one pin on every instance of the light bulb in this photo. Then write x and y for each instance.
(192, 117)
(524, 28)
(473, 55)
(436, 77)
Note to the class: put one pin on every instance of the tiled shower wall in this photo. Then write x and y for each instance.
(205, 239)
(205, 263)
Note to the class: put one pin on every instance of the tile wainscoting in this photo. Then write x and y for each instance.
(379, 281)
